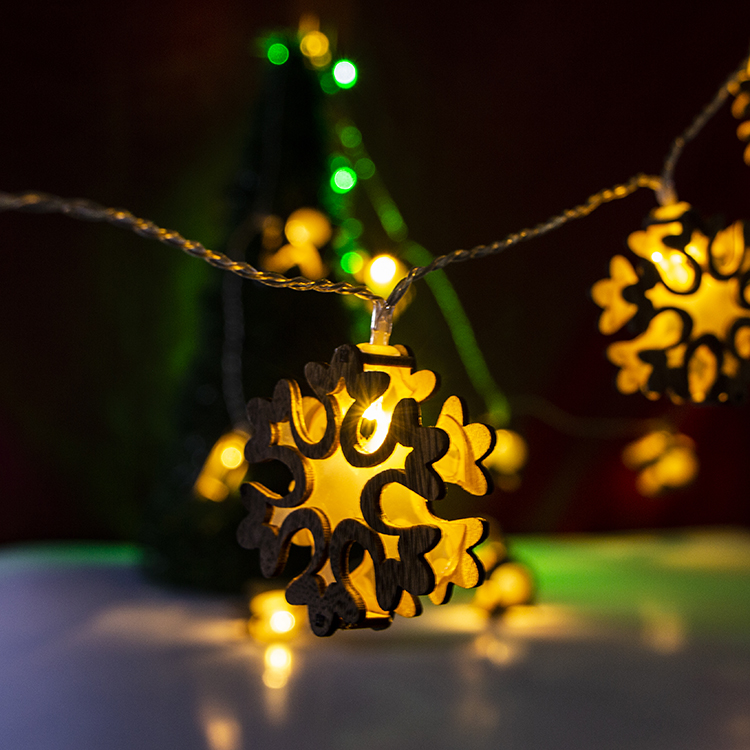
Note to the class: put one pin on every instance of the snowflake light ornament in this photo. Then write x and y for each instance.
(688, 303)
(365, 471)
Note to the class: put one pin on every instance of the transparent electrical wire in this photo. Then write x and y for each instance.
(78, 208)
(87, 210)
(666, 193)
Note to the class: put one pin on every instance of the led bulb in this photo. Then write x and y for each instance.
(345, 74)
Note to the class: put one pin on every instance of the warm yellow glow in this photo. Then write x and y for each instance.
(673, 266)
(383, 269)
(337, 484)
(646, 449)
(222, 732)
(509, 584)
(382, 419)
(741, 107)
(664, 460)
(306, 225)
(304, 256)
(664, 331)
(231, 457)
(224, 469)
(314, 44)
(607, 293)
(307, 230)
(278, 657)
(704, 283)
(281, 621)
(509, 454)
(383, 273)
(273, 618)
(278, 662)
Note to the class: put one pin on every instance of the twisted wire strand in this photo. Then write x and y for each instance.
(86, 210)
(481, 251)
(667, 193)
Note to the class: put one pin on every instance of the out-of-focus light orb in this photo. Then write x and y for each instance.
(327, 83)
(281, 621)
(231, 457)
(510, 584)
(353, 227)
(307, 225)
(343, 180)
(509, 454)
(278, 657)
(314, 44)
(350, 137)
(224, 469)
(273, 618)
(365, 168)
(664, 460)
(278, 663)
(278, 53)
(345, 74)
(383, 273)
(383, 269)
(352, 262)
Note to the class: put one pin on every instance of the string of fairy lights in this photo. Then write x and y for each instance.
(387, 282)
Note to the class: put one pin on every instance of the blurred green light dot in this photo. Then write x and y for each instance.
(337, 161)
(328, 84)
(278, 53)
(343, 179)
(391, 219)
(352, 262)
(365, 168)
(345, 74)
(351, 137)
(352, 226)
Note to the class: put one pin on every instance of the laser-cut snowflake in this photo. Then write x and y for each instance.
(365, 471)
(688, 301)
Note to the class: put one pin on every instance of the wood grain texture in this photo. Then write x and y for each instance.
(396, 569)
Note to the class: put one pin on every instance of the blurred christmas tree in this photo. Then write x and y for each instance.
(251, 334)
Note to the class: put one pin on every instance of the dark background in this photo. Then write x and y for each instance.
(482, 119)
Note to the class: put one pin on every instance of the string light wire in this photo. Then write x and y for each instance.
(87, 210)
(666, 193)
(78, 208)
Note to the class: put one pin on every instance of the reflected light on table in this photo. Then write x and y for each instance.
(277, 661)
(498, 651)
(273, 618)
(663, 631)
(223, 732)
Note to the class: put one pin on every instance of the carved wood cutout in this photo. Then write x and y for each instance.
(365, 472)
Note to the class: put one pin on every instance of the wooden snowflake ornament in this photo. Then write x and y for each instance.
(365, 472)
(688, 302)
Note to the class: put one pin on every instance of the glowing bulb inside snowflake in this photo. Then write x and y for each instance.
(364, 472)
(689, 304)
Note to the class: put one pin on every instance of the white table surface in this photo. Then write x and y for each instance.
(653, 658)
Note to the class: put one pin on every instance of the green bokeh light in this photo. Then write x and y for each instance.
(352, 262)
(336, 161)
(350, 136)
(345, 74)
(278, 53)
(343, 180)
(327, 83)
(352, 226)
(391, 219)
(365, 168)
